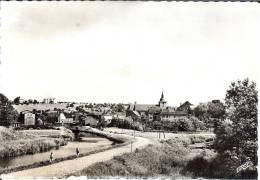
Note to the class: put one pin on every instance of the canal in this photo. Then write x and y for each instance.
(86, 145)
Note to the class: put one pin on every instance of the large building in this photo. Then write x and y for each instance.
(49, 100)
(159, 111)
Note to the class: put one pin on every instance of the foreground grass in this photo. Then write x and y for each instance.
(161, 159)
(179, 158)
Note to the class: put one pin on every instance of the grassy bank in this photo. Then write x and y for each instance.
(180, 157)
(29, 146)
(15, 143)
(167, 158)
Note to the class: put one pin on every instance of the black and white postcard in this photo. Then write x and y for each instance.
(129, 89)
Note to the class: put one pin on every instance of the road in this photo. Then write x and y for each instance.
(156, 135)
(64, 168)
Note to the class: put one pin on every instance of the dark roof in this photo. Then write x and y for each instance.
(89, 118)
(154, 109)
(177, 113)
(143, 107)
(187, 103)
(26, 111)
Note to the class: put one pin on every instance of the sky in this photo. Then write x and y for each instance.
(123, 52)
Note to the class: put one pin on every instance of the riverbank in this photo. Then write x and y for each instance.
(15, 143)
(59, 159)
(118, 141)
(62, 169)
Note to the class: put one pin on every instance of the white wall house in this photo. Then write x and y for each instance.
(29, 119)
(61, 118)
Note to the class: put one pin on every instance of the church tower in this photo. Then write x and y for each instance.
(162, 103)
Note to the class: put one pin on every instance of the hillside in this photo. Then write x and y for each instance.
(30, 107)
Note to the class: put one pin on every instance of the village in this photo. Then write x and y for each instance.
(38, 138)
(50, 114)
(129, 90)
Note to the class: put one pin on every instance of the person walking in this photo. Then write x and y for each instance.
(51, 157)
(77, 152)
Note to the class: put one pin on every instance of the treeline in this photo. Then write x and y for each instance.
(7, 111)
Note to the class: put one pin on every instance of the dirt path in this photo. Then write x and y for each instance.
(155, 135)
(64, 168)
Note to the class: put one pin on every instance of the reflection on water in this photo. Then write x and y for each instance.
(85, 145)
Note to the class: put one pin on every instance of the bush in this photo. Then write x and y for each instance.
(179, 124)
(198, 167)
(219, 167)
(126, 123)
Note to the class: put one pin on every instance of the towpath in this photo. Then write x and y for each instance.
(64, 168)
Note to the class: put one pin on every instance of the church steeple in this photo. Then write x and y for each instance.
(162, 102)
(162, 96)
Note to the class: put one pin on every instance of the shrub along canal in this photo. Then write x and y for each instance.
(86, 145)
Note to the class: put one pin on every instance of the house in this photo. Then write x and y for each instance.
(107, 118)
(186, 106)
(154, 113)
(119, 115)
(27, 118)
(21, 101)
(61, 118)
(52, 116)
(68, 121)
(77, 117)
(96, 114)
(15, 124)
(90, 121)
(134, 114)
(168, 115)
(49, 100)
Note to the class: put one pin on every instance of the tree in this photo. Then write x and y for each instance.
(17, 100)
(237, 134)
(7, 112)
(210, 112)
(120, 108)
(30, 101)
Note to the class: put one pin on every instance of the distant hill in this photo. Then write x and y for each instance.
(30, 107)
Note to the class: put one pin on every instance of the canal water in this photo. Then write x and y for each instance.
(87, 144)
